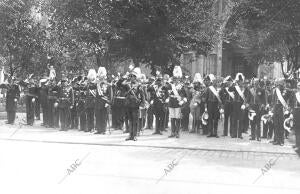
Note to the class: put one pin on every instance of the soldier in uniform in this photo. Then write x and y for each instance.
(81, 111)
(227, 100)
(103, 99)
(196, 101)
(150, 111)
(158, 97)
(74, 120)
(213, 104)
(268, 125)
(52, 105)
(257, 107)
(296, 114)
(31, 96)
(176, 99)
(12, 97)
(65, 102)
(134, 98)
(186, 107)
(43, 95)
(240, 103)
(90, 99)
(279, 106)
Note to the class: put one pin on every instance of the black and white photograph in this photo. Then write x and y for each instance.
(149, 96)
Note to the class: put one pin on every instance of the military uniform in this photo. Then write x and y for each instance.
(102, 101)
(31, 92)
(65, 102)
(257, 104)
(12, 97)
(227, 100)
(213, 108)
(158, 97)
(52, 105)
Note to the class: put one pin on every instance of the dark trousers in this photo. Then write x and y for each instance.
(37, 109)
(268, 129)
(237, 120)
(159, 120)
(45, 114)
(82, 120)
(297, 126)
(150, 114)
(255, 123)
(133, 115)
(90, 117)
(101, 119)
(74, 118)
(114, 115)
(175, 126)
(53, 114)
(63, 117)
(278, 124)
(11, 116)
(228, 107)
(213, 117)
(30, 109)
(185, 118)
(245, 121)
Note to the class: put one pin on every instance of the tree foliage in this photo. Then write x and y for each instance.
(150, 32)
(21, 36)
(267, 31)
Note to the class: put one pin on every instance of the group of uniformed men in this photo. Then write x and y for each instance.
(86, 102)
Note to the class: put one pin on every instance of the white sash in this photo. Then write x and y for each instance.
(93, 93)
(238, 89)
(231, 94)
(280, 98)
(174, 90)
(214, 91)
(298, 97)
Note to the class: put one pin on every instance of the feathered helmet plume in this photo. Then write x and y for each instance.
(92, 75)
(197, 78)
(102, 73)
(239, 77)
(177, 72)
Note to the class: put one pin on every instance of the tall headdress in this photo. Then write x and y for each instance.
(92, 75)
(239, 77)
(177, 72)
(102, 73)
(197, 78)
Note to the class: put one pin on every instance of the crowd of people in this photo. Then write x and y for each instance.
(85, 102)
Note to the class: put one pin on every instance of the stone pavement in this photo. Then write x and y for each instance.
(21, 132)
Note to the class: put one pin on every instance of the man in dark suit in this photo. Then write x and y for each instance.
(12, 97)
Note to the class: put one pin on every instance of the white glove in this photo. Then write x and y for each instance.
(195, 104)
(167, 100)
(151, 102)
(71, 107)
(181, 102)
(106, 105)
(33, 100)
(55, 104)
(15, 100)
(205, 109)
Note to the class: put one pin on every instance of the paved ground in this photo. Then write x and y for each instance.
(36, 160)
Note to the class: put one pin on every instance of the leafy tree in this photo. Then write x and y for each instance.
(151, 32)
(21, 36)
(268, 31)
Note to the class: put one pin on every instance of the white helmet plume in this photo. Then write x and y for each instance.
(102, 73)
(239, 77)
(92, 75)
(177, 72)
(198, 78)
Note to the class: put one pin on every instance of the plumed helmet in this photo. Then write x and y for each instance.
(239, 77)
(92, 75)
(197, 78)
(177, 72)
(102, 73)
(131, 67)
(166, 77)
(211, 77)
(228, 79)
(136, 72)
